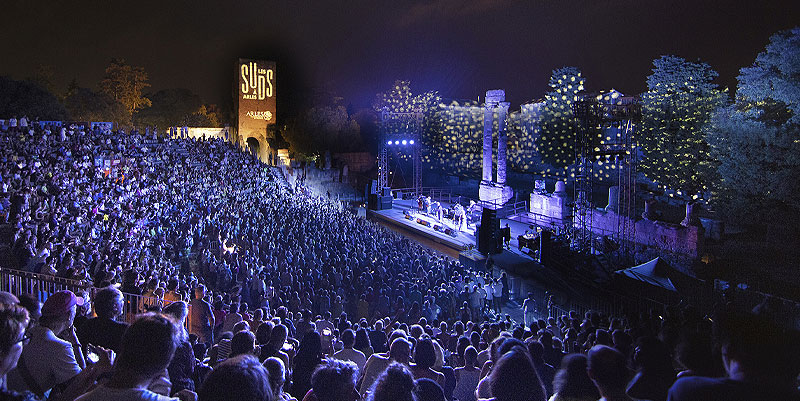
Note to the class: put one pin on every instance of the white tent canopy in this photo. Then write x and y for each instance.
(654, 272)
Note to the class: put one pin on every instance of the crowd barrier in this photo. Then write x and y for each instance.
(20, 282)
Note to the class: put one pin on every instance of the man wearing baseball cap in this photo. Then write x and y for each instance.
(54, 356)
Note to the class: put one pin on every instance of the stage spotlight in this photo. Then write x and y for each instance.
(405, 142)
(396, 142)
(389, 143)
(411, 142)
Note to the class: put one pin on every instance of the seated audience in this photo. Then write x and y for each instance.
(241, 378)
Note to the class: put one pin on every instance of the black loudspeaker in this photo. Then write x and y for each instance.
(373, 188)
(545, 247)
(373, 202)
(387, 191)
(488, 232)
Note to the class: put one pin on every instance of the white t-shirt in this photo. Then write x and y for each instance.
(498, 289)
(354, 355)
(49, 359)
(103, 393)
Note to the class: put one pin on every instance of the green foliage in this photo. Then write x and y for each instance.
(758, 165)
(85, 105)
(556, 140)
(770, 88)
(676, 111)
(177, 107)
(757, 140)
(25, 98)
(125, 83)
(321, 128)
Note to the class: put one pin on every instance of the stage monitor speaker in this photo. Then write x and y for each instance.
(488, 232)
(373, 202)
(545, 247)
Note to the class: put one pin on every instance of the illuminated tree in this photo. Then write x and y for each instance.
(524, 129)
(124, 83)
(676, 111)
(757, 140)
(556, 140)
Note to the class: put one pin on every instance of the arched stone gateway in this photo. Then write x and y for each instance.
(259, 146)
(254, 146)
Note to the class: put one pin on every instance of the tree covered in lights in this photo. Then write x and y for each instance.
(676, 111)
(401, 99)
(556, 140)
(757, 140)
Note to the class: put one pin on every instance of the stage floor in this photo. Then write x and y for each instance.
(461, 242)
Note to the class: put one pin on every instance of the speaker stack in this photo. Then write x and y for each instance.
(545, 247)
(488, 238)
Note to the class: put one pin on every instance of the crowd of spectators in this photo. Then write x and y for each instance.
(245, 289)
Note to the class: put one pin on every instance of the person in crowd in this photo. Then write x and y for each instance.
(467, 376)
(655, 374)
(241, 378)
(546, 372)
(515, 379)
(181, 368)
(104, 330)
(13, 322)
(424, 360)
(363, 343)
(760, 354)
(399, 352)
(348, 353)
(277, 379)
(243, 342)
(202, 316)
(147, 348)
(309, 355)
(396, 383)
(572, 383)
(50, 363)
(334, 380)
(275, 346)
(609, 371)
(428, 390)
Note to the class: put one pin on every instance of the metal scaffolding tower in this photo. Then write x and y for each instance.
(400, 131)
(596, 144)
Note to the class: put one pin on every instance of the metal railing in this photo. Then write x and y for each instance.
(20, 282)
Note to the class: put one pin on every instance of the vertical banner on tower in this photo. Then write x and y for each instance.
(256, 97)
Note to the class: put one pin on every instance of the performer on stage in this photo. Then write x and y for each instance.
(438, 210)
(458, 217)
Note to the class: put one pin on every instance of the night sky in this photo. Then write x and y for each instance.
(356, 48)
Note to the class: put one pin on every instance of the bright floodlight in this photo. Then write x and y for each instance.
(389, 143)
(396, 142)
(411, 142)
(405, 142)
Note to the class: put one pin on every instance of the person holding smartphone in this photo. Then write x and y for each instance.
(53, 359)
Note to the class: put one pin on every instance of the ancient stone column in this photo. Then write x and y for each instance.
(502, 142)
(488, 119)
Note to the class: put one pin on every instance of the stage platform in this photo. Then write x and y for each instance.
(511, 258)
